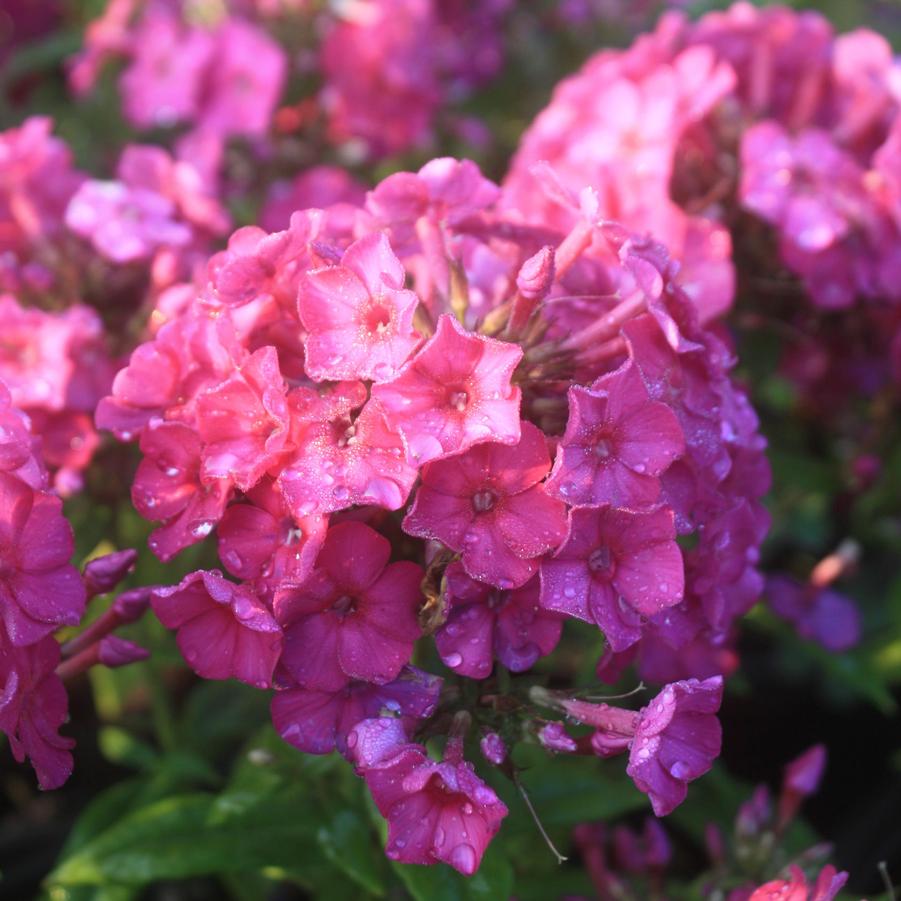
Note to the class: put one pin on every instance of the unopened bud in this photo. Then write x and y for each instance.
(131, 604)
(115, 651)
(104, 573)
(537, 274)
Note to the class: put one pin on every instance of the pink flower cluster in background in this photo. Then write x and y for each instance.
(703, 132)
(419, 391)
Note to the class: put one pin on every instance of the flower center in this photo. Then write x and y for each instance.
(603, 448)
(344, 606)
(601, 561)
(484, 500)
(378, 318)
(458, 399)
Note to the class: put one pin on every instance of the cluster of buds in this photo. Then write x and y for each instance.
(420, 416)
(41, 592)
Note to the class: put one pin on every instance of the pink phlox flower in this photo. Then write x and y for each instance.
(796, 888)
(152, 168)
(493, 748)
(262, 540)
(616, 569)
(243, 82)
(163, 85)
(385, 103)
(244, 422)
(164, 376)
(485, 622)
(435, 811)
(222, 629)
(319, 722)
(17, 447)
(355, 617)
(616, 445)
(445, 189)
(358, 315)
(125, 224)
(676, 740)
(819, 614)
(40, 590)
(638, 853)
(553, 737)
(33, 706)
(36, 183)
(454, 393)
(167, 488)
(343, 457)
(489, 505)
(258, 265)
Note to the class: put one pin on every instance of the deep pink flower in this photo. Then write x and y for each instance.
(671, 741)
(317, 187)
(487, 504)
(262, 540)
(243, 82)
(615, 569)
(223, 630)
(318, 722)
(435, 811)
(358, 314)
(676, 740)
(485, 622)
(162, 86)
(617, 442)
(355, 616)
(17, 447)
(343, 458)
(33, 705)
(167, 488)
(39, 588)
(796, 887)
(454, 393)
(125, 224)
(243, 422)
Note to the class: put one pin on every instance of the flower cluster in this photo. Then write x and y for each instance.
(418, 416)
(703, 133)
(40, 593)
(222, 73)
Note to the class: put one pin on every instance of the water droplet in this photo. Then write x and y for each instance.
(201, 528)
(463, 858)
(453, 660)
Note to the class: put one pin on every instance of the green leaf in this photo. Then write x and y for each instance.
(349, 844)
(195, 835)
(492, 882)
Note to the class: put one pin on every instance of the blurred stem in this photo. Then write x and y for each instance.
(163, 717)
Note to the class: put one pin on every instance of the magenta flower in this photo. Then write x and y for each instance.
(39, 588)
(485, 622)
(262, 540)
(244, 81)
(355, 616)
(223, 630)
(819, 614)
(358, 314)
(676, 740)
(243, 422)
(343, 459)
(33, 705)
(616, 444)
(162, 86)
(615, 569)
(488, 505)
(319, 722)
(435, 811)
(167, 488)
(125, 224)
(454, 393)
